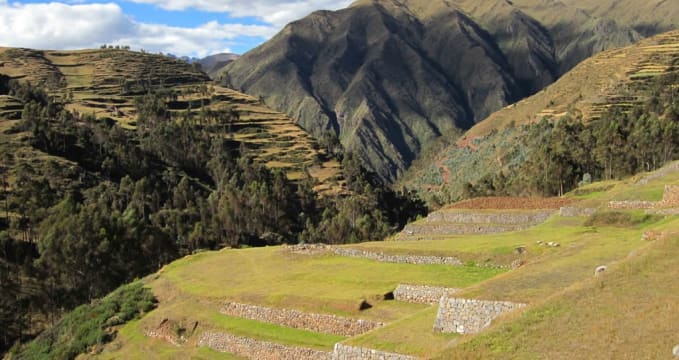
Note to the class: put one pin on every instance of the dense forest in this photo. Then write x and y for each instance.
(121, 203)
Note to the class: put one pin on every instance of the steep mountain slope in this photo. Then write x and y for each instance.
(639, 79)
(390, 76)
(213, 64)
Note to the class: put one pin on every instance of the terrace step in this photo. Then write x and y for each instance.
(322, 323)
(258, 349)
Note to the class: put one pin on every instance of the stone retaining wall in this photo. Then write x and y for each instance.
(346, 352)
(421, 294)
(671, 196)
(632, 204)
(260, 350)
(576, 211)
(328, 324)
(468, 316)
(506, 218)
(400, 259)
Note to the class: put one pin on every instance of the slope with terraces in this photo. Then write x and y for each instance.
(106, 82)
(317, 301)
(616, 78)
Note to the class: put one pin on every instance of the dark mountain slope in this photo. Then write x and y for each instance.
(386, 81)
(391, 76)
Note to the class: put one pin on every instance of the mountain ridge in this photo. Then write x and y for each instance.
(414, 71)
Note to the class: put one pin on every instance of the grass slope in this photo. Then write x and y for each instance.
(627, 314)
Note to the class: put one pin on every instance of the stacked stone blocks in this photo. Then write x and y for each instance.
(421, 294)
(469, 316)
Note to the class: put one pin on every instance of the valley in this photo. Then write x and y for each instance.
(393, 180)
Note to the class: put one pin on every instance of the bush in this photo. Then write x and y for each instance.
(89, 325)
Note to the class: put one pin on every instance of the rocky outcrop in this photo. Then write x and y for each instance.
(469, 316)
(421, 294)
(322, 323)
(400, 259)
(257, 349)
(346, 352)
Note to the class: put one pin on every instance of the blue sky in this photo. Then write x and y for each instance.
(181, 27)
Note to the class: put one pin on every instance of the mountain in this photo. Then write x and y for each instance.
(629, 89)
(391, 76)
(213, 64)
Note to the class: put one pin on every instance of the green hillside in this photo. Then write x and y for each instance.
(105, 83)
(114, 163)
(557, 282)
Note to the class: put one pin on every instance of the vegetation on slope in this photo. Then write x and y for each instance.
(90, 204)
(193, 289)
(555, 156)
(90, 325)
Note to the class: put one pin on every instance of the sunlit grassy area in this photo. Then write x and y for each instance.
(629, 313)
(411, 335)
(332, 284)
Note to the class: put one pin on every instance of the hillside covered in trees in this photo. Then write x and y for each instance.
(92, 201)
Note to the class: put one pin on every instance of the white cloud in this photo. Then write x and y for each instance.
(275, 12)
(71, 26)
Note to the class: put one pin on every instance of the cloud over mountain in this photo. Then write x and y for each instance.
(81, 24)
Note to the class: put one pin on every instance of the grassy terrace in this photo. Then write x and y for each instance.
(326, 284)
(628, 314)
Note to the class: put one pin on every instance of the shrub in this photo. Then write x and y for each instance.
(89, 325)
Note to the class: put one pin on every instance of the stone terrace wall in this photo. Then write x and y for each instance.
(576, 211)
(328, 324)
(400, 259)
(421, 294)
(346, 352)
(632, 204)
(468, 316)
(260, 350)
(671, 196)
(507, 218)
